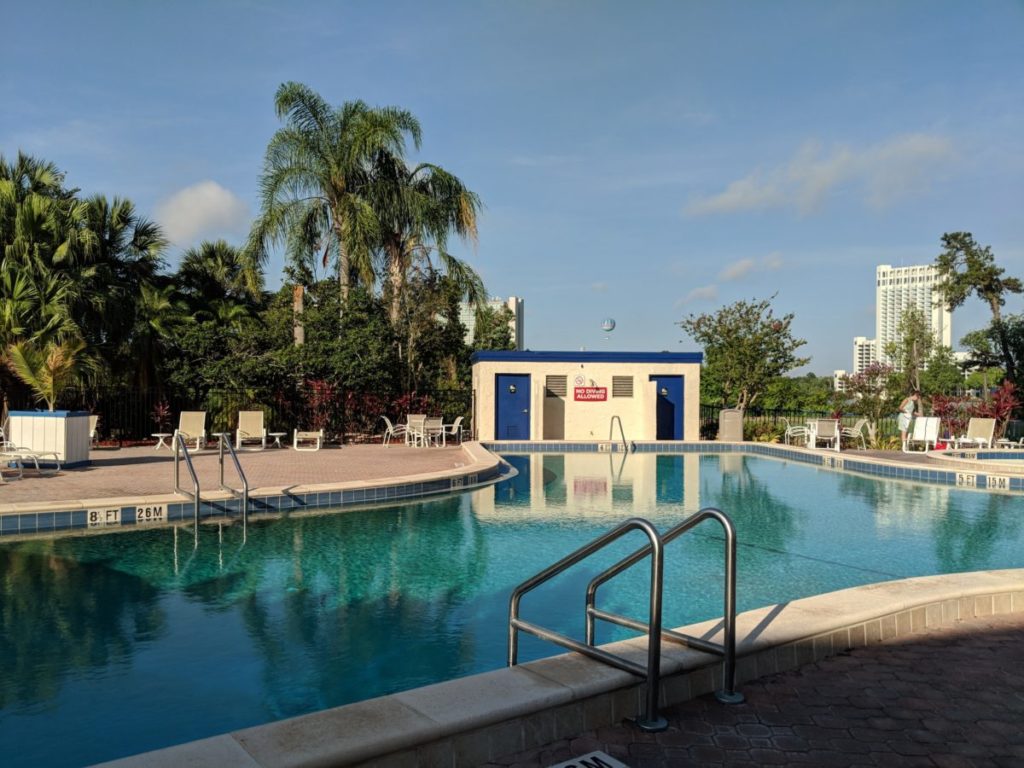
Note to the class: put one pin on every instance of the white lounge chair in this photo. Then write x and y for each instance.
(250, 429)
(926, 430)
(979, 434)
(393, 431)
(192, 426)
(856, 432)
(94, 422)
(827, 431)
(307, 440)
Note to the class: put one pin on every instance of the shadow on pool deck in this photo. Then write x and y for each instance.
(951, 696)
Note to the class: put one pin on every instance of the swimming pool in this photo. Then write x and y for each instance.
(120, 643)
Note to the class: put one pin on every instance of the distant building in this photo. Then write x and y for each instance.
(839, 380)
(899, 288)
(865, 352)
(467, 316)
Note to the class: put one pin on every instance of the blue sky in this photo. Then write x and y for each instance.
(638, 161)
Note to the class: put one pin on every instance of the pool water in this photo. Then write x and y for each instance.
(120, 643)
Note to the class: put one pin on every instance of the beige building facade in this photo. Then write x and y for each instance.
(576, 395)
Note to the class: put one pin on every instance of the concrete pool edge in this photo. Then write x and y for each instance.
(471, 720)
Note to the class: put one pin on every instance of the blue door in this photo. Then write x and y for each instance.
(512, 397)
(670, 407)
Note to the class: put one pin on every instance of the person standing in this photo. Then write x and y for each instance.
(907, 408)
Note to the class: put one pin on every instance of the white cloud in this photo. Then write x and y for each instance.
(599, 287)
(737, 270)
(880, 174)
(704, 293)
(740, 269)
(203, 210)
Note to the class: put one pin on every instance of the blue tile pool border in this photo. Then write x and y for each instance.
(143, 514)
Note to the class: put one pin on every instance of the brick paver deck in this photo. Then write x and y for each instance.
(949, 697)
(143, 471)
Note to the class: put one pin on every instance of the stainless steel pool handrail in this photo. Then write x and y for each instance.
(181, 449)
(651, 720)
(622, 432)
(727, 648)
(224, 441)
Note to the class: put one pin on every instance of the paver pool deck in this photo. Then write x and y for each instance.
(141, 472)
(950, 697)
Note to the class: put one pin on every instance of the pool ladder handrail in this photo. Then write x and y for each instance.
(651, 719)
(727, 694)
(223, 442)
(180, 449)
(622, 432)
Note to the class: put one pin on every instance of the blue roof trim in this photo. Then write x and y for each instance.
(528, 356)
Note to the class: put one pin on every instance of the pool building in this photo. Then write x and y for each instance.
(531, 395)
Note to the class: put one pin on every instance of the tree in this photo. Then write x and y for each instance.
(492, 329)
(942, 375)
(871, 394)
(745, 347)
(912, 348)
(49, 370)
(798, 393)
(416, 209)
(314, 177)
(964, 268)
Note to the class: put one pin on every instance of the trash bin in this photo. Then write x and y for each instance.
(730, 425)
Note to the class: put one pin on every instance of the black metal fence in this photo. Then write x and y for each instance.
(131, 415)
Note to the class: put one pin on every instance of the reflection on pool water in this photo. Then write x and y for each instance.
(121, 643)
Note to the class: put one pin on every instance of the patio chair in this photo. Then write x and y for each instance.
(414, 433)
(433, 430)
(192, 426)
(393, 431)
(307, 440)
(827, 431)
(926, 430)
(979, 433)
(94, 422)
(795, 431)
(856, 432)
(250, 429)
(454, 429)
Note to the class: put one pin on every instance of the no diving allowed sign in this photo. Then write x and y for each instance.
(592, 760)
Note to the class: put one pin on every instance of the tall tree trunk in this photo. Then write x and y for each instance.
(396, 278)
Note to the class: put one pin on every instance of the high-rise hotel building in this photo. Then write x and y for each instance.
(899, 288)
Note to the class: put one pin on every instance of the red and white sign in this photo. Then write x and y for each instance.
(591, 394)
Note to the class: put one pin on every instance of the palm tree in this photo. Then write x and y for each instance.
(416, 209)
(48, 370)
(313, 180)
(218, 270)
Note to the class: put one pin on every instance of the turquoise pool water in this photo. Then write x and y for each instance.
(115, 644)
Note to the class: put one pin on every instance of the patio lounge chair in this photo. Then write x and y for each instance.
(926, 430)
(192, 426)
(979, 434)
(856, 432)
(393, 431)
(827, 431)
(250, 429)
(94, 422)
(307, 440)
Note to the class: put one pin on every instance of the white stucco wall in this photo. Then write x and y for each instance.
(589, 420)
